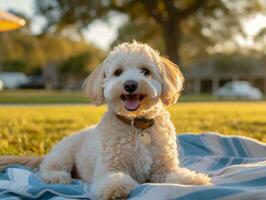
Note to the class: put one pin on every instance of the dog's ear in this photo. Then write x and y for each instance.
(172, 81)
(93, 85)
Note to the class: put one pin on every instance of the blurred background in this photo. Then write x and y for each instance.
(217, 43)
(220, 46)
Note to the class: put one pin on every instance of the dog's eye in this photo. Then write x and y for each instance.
(145, 71)
(118, 72)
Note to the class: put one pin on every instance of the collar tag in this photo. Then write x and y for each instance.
(145, 138)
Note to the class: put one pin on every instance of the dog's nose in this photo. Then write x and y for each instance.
(130, 86)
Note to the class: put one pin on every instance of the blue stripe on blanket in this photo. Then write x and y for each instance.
(237, 166)
(213, 193)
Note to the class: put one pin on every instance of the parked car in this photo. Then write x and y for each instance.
(11, 80)
(33, 82)
(239, 89)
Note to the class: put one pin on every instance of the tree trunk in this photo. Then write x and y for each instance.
(172, 37)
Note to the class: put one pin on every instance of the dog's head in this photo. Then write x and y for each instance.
(133, 80)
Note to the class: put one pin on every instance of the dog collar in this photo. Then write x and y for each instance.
(140, 123)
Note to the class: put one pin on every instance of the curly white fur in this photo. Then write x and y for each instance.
(106, 155)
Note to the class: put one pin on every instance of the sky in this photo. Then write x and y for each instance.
(101, 33)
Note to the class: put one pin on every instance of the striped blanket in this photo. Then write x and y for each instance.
(237, 166)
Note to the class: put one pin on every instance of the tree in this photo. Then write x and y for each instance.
(140, 30)
(211, 30)
(80, 64)
(22, 51)
(169, 15)
(16, 65)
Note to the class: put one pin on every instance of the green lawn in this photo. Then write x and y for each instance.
(34, 129)
(57, 96)
(41, 96)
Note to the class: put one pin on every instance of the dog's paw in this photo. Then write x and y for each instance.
(188, 177)
(202, 179)
(52, 177)
(113, 186)
(115, 192)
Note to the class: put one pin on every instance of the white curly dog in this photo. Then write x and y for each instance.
(135, 141)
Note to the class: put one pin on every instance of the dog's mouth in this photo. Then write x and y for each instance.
(132, 101)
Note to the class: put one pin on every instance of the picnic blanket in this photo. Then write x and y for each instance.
(237, 166)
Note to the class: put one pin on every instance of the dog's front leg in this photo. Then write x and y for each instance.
(112, 179)
(166, 169)
(113, 185)
(187, 177)
(57, 165)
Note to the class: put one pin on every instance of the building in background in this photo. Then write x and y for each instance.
(206, 76)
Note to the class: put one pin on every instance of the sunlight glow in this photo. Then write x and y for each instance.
(253, 25)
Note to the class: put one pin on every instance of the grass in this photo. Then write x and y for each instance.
(57, 96)
(41, 96)
(32, 130)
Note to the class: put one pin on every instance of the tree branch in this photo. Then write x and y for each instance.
(191, 9)
(171, 9)
(151, 9)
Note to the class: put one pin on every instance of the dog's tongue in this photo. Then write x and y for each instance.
(132, 102)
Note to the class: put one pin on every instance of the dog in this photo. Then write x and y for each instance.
(135, 141)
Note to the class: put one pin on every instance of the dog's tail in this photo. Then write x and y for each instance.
(29, 161)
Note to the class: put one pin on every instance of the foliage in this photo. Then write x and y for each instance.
(185, 28)
(81, 63)
(15, 65)
(22, 51)
(38, 128)
(141, 30)
(167, 14)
